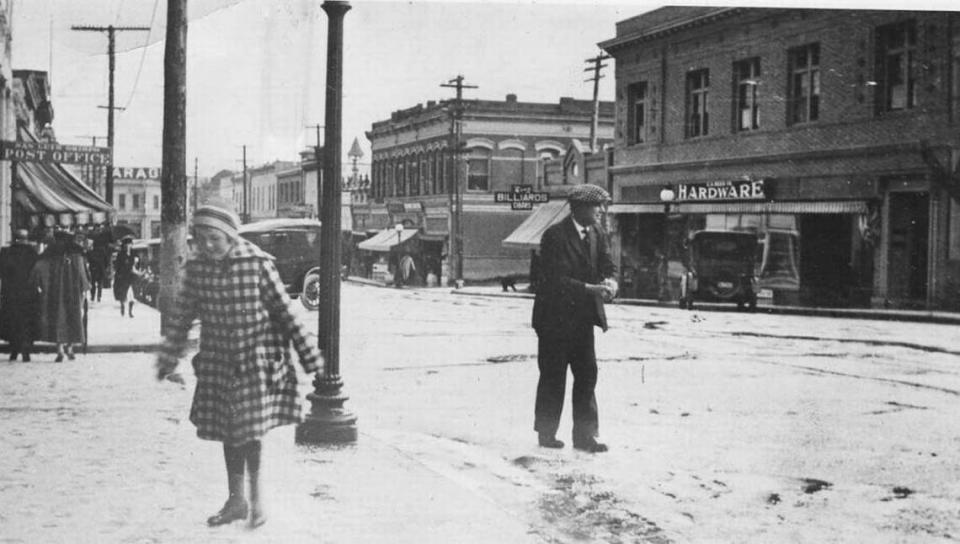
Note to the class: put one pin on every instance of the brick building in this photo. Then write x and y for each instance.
(826, 132)
(414, 174)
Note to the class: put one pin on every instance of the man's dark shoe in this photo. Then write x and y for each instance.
(547, 441)
(590, 446)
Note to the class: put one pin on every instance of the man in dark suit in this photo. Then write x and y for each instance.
(576, 278)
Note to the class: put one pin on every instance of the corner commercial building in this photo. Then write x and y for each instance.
(423, 158)
(829, 133)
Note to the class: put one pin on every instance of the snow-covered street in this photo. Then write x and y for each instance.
(722, 427)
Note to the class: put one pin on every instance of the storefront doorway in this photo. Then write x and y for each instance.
(907, 258)
(826, 263)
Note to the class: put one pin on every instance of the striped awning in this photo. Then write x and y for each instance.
(48, 194)
(813, 207)
(635, 208)
(760, 207)
(528, 234)
(386, 239)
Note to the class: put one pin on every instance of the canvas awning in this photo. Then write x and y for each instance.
(528, 234)
(384, 240)
(48, 194)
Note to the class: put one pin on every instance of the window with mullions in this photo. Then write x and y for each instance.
(698, 117)
(896, 66)
(746, 75)
(804, 90)
(478, 170)
(637, 113)
(399, 189)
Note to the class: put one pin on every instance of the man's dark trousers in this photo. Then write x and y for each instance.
(556, 352)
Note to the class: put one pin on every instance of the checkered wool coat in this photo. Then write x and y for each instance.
(246, 384)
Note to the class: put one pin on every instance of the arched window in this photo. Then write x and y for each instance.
(543, 157)
(478, 169)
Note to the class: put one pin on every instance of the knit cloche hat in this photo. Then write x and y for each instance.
(218, 218)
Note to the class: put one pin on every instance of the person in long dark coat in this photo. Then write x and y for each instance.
(61, 279)
(126, 271)
(18, 303)
(246, 384)
(576, 278)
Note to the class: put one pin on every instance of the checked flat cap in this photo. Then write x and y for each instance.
(589, 194)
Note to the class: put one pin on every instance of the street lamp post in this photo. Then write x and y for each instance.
(398, 278)
(667, 196)
(328, 420)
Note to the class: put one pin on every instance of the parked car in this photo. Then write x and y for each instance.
(295, 243)
(146, 288)
(720, 267)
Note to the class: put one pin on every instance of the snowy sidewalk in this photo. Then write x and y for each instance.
(97, 451)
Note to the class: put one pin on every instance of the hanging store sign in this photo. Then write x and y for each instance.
(49, 152)
(721, 190)
(136, 172)
(521, 197)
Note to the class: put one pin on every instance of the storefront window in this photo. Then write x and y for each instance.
(954, 248)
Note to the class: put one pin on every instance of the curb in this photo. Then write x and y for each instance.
(940, 318)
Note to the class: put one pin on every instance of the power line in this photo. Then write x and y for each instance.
(143, 55)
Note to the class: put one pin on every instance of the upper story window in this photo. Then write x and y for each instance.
(637, 109)
(122, 201)
(135, 203)
(478, 170)
(414, 178)
(399, 189)
(746, 75)
(156, 202)
(896, 66)
(698, 117)
(804, 90)
(544, 156)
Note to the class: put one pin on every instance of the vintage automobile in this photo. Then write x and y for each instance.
(295, 243)
(720, 267)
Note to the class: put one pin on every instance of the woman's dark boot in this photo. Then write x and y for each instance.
(123, 308)
(130, 311)
(236, 506)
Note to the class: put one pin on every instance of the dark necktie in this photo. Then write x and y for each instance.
(586, 239)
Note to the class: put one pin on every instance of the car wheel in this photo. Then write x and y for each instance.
(310, 294)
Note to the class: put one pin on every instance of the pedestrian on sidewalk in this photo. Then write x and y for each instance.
(61, 280)
(18, 303)
(576, 278)
(246, 384)
(126, 267)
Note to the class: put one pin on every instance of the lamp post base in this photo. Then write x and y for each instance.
(328, 422)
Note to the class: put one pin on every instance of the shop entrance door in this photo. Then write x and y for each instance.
(907, 261)
(825, 271)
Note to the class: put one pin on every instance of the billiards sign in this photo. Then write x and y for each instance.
(521, 197)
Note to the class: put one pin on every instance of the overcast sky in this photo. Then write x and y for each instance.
(256, 68)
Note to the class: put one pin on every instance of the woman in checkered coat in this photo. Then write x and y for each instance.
(246, 384)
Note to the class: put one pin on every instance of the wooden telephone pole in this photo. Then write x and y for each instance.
(111, 54)
(597, 66)
(173, 208)
(456, 130)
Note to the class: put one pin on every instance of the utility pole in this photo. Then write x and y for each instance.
(329, 421)
(196, 182)
(94, 170)
(598, 65)
(173, 170)
(456, 130)
(111, 54)
(318, 158)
